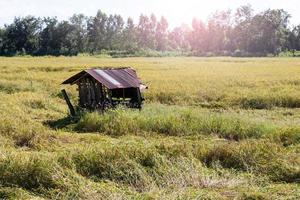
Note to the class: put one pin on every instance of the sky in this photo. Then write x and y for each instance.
(177, 12)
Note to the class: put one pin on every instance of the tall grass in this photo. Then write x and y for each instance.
(211, 128)
(23, 133)
(227, 82)
(29, 172)
(166, 121)
(267, 102)
(260, 157)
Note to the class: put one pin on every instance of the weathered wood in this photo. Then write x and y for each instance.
(88, 95)
(94, 95)
(123, 90)
(96, 91)
(100, 90)
(81, 93)
(139, 98)
(66, 97)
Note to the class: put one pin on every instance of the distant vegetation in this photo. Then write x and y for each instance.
(240, 33)
(212, 128)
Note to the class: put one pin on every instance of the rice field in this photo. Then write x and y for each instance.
(211, 128)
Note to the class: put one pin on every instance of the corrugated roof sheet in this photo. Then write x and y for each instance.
(112, 78)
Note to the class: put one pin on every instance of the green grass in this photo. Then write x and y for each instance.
(173, 121)
(211, 128)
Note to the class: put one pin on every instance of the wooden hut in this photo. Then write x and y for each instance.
(106, 88)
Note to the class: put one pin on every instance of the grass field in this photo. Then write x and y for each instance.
(211, 128)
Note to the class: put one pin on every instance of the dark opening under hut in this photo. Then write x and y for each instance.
(104, 88)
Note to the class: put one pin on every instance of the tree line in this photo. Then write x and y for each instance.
(241, 33)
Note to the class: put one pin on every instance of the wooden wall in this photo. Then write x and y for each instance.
(93, 95)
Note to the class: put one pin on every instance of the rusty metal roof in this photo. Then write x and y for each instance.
(112, 78)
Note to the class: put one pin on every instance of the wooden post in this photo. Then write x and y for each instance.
(110, 98)
(66, 97)
(123, 96)
(139, 98)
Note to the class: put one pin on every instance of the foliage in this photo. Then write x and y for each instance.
(225, 33)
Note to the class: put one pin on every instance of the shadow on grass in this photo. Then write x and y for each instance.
(63, 123)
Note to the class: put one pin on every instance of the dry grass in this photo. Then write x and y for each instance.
(212, 128)
(244, 82)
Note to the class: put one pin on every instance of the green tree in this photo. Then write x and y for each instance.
(179, 38)
(241, 36)
(129, 37)
(143, 31)
(198, 37)
(114, 28)
(293, 42)
(2, 31)
(79, 33)
(152, 43)
(256, 34)
(269, 31)
(161, 34)
(67, 44)
(96, 32)
(219, 30)
(57, 38)
(146, 32)
(48, 41)
(21, 37)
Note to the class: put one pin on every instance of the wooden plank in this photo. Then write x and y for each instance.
(88, 95)
(66, 97)
(97, 92)
(139, 98)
